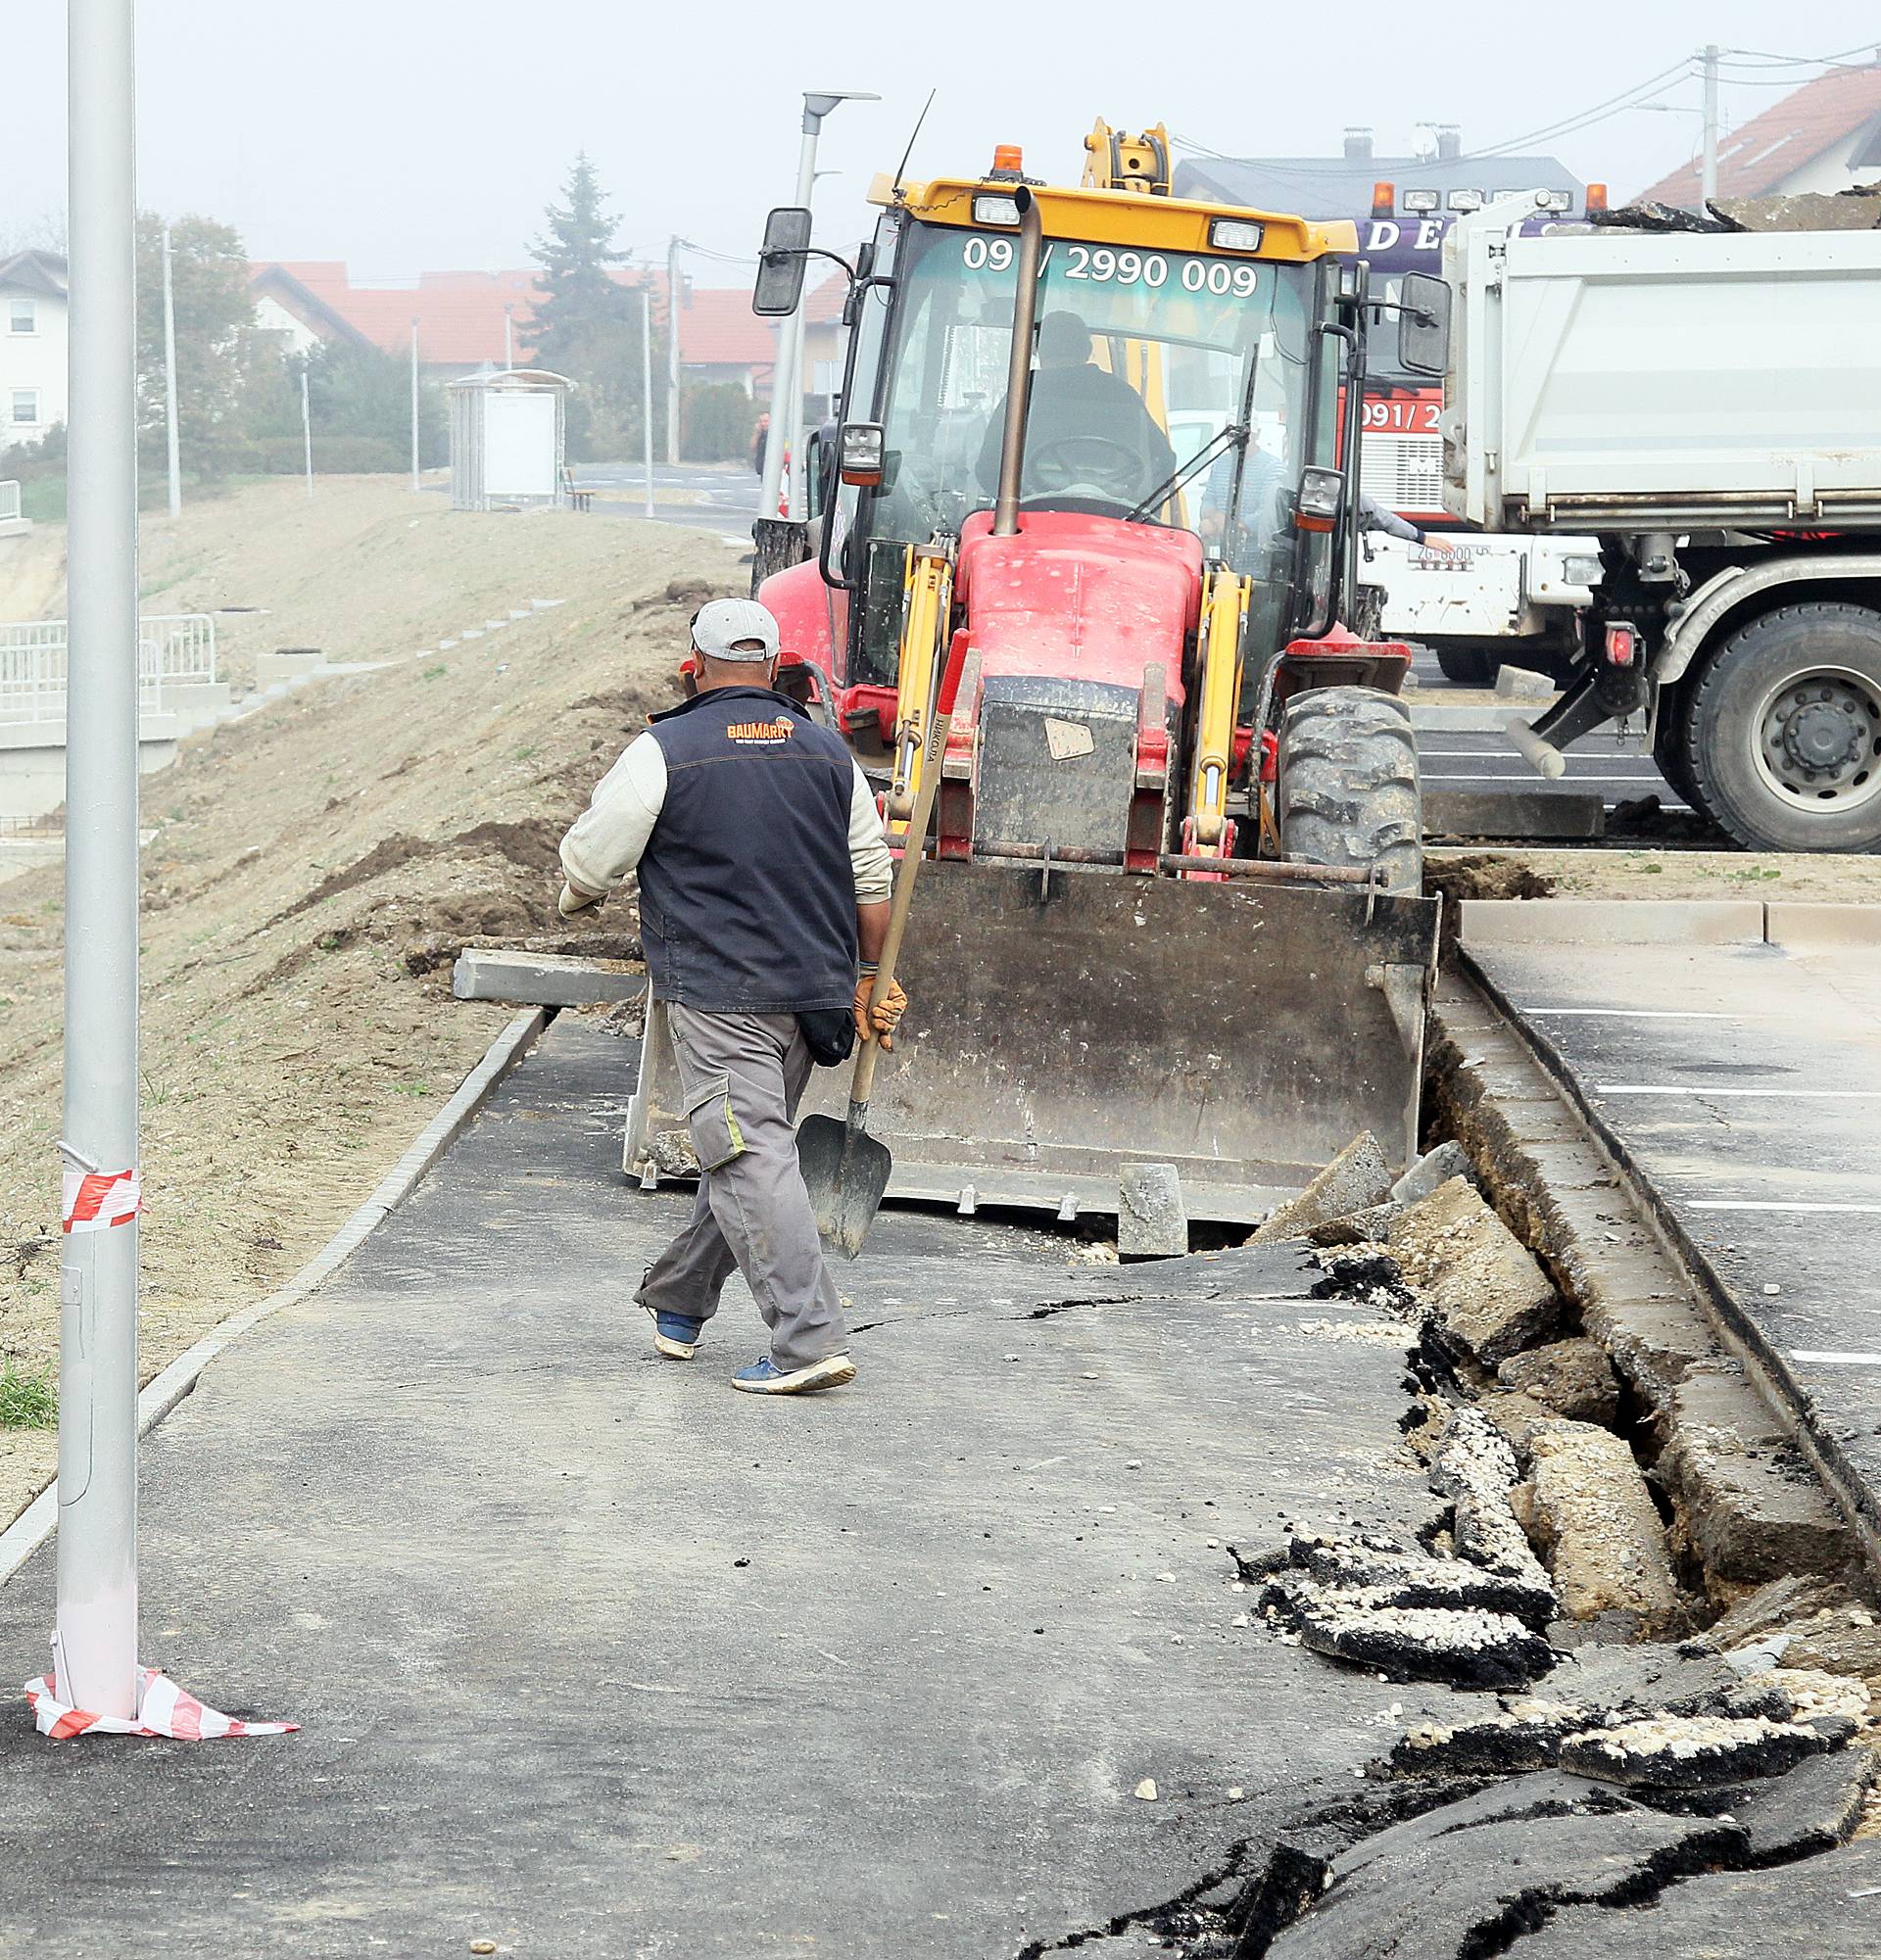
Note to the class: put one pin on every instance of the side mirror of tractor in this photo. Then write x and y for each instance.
(1424, 324)
(782, 263)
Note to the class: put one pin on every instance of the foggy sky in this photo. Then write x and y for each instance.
(402, 135)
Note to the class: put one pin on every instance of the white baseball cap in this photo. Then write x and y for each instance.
(717, 629)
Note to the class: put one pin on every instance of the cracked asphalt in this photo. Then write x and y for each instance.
(596, 1656)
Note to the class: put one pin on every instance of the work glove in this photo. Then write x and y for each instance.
(877, 1018)
(573, 901)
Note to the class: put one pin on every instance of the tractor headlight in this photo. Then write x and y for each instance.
(1235, 234)
(995, 208)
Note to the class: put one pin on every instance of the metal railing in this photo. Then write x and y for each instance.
(177, 649)
(9, 500)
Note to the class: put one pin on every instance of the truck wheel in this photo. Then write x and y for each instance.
(1783, 730)
(1347, 791)
(1468, 667)
(1671, 747)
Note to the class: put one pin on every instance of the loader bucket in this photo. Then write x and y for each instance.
(1062, 1025)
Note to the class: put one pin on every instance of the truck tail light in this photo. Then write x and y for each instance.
(1622, 644)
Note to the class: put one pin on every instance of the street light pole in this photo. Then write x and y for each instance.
(1708, 166)
(672, 347)
(415, 402)
(787, 379)
(306, 430)
(509, 337)
(95, 1626)
(646, 382)
(169, 385)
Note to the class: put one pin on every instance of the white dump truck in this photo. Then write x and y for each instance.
(1709, 406)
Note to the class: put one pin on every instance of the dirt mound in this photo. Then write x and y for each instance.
(311, 872)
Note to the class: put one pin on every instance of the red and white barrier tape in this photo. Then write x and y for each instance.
(96, 1200)
(163, 1709)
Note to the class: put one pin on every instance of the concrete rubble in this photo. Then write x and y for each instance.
(1475, 1470)
(1357, 1179)
(1572, 1379)
(1586, 1505)
(1489, 1296)
(1153, 1222)
(1745, 1507)
(1433, 1169)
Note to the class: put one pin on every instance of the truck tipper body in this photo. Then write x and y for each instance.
(1709, 406)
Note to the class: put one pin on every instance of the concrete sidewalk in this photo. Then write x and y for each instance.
(597, 1658)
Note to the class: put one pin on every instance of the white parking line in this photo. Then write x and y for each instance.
(1776, 1205)
(1830, 1359)
(1713, 1089)
(1636, 1013)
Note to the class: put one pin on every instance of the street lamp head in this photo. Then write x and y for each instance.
(817, 104)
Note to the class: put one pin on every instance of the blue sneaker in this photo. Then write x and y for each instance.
(676, 1335)
(765, 1377)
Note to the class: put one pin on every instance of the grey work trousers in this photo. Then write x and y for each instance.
(742, 1076)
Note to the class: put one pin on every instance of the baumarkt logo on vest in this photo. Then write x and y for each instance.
(759, 731)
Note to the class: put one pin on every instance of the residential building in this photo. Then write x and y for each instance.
(32, 346)
(467, 321)
(1824, 136)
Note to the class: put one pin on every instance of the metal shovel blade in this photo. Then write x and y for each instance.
(846, 1170)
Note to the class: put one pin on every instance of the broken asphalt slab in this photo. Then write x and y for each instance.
(593, 1655)
(1827, 1908)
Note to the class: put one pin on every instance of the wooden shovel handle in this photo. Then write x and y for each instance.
(913, 843)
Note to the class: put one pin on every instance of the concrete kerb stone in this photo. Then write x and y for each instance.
(1788, 922)
(1650, 1226)
(1623, 921)
(544, 980)
(165, 1390)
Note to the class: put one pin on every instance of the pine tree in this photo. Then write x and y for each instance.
(587, 324)
(580, 294)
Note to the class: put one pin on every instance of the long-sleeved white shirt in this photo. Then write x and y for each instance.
(605, 842)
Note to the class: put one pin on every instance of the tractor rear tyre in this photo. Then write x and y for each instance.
(1783, 730)
(1347, 793)
(1468, 667)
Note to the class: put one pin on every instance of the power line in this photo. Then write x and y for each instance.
(1754, 55)
(1614, 104)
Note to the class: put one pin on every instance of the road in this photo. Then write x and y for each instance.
(719, 498)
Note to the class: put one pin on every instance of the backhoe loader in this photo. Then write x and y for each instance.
(1174, 911)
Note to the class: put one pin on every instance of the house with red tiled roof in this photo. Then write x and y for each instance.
(1824, 136)
(470, 321)
(465, 320)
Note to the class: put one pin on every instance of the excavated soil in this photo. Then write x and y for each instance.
(311, 872)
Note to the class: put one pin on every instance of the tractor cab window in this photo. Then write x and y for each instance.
(1142, 363)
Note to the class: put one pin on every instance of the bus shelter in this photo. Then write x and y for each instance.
(508, 439)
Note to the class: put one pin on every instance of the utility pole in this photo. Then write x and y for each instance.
(414, 403)
(509, 337)
(1707, 167)
(306, 430)
(95, 1626)
(169, 385)
(674, 300)
(787, 380)
(646, 381)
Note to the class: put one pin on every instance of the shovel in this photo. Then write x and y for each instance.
(845, 1168)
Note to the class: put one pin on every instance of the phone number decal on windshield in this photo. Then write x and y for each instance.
(1104, 267)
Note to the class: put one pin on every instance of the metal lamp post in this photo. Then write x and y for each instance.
(95, 1630)
(787, 381)
(172, 440)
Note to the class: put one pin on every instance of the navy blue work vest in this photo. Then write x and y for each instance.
(746, 886)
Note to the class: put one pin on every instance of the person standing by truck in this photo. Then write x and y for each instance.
(764, 879)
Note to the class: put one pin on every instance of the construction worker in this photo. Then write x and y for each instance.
(765, 882)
